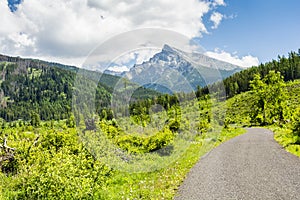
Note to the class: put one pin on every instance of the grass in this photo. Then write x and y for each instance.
(286, 138)
(163, 184)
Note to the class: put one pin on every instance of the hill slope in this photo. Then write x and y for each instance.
(29, 86)
(289, 67)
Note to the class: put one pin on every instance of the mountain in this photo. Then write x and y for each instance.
(179, 71)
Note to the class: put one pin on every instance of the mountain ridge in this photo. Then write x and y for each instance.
(36, 62)
(180, 71)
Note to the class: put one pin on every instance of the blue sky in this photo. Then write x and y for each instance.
(263, 28)
(13, 4)
(243, 32)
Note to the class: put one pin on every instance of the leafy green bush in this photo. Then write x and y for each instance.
(51, 164)
(296, 126)
(137, 143)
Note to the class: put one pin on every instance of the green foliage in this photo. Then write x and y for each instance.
(137, 143)
(52, 164)
(71, 123)
(35, 120)
(44, 91)
(288, 139)
(205, 114)
(140, 114)
(270, 98)
(174, 125)
(243, 109)
(296, 127)
(163, 184)
(140, 110)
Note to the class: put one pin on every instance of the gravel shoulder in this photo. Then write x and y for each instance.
(250, 166)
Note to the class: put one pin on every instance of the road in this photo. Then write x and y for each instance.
(250, 166)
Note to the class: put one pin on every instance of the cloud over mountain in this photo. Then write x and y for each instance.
(245, 61)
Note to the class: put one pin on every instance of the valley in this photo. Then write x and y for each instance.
(69, 135)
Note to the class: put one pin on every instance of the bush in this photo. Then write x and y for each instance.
(140, 144)
(296, 127)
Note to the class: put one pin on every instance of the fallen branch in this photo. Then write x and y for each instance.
(8, 152)
(5, 147)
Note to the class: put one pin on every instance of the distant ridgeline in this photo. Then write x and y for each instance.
(34, 63)
(239, 82)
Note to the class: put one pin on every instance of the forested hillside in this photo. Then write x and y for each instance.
(289, 67)
(38, 89)
(44, 91)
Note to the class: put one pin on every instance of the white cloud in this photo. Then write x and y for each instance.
(245, 61)
(125, 58)
(216, 18)
(219, 3)
(145, 54)
(9, 22)
(136, 56)
(72, 28)
(118, 68)
(21, 40)
(128, 59)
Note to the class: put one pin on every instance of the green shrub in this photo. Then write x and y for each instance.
(143, 144)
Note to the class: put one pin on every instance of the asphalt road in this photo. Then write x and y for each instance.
(250, 166)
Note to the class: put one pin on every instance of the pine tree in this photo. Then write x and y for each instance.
(35, 119)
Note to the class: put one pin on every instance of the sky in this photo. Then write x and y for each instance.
(242, 32)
